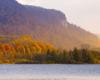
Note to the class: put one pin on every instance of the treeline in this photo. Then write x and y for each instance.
(25, 50)
(76, 56)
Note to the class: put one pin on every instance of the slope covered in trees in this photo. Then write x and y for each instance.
(24, 49)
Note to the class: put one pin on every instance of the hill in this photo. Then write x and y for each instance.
(46, 25)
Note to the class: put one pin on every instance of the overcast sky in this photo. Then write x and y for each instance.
(85, 13)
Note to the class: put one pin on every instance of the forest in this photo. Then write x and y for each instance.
(25, 50)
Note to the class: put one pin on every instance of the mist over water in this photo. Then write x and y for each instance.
(49, 72)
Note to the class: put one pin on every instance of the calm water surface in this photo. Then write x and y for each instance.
(49, 72)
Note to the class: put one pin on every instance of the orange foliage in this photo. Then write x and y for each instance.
(22, 47)
(7, 47)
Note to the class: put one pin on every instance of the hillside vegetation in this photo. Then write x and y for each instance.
(26, 50)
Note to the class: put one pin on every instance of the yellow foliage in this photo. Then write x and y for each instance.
(22, 46)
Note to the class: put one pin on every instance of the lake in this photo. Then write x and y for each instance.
(49, 72)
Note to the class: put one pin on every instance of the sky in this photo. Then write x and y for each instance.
(84, 13)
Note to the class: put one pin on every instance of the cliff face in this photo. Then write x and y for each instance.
(46, 25)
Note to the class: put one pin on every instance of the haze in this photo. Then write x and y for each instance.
(85, 13)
